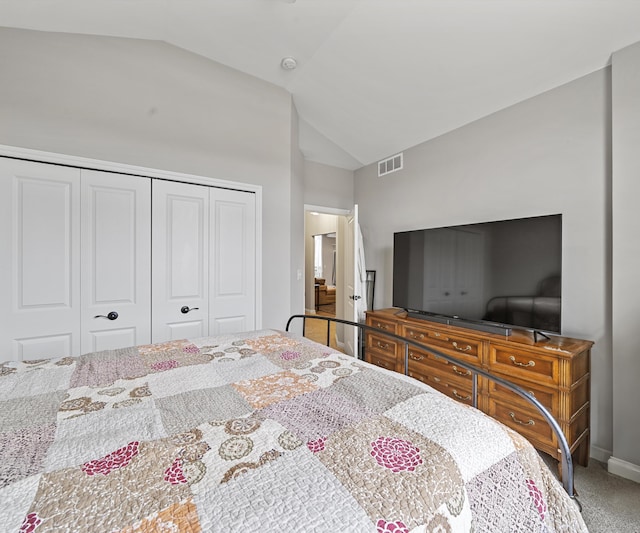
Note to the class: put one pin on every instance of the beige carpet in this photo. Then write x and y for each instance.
(610, 504)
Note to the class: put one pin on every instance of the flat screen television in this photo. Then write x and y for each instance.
(491, 276)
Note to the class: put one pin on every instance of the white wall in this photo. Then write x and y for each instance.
(328, 186)
(549, 154)
(331, 188)
(154, 105)
(626, 262)
(297, 220)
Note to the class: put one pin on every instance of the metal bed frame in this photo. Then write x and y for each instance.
(565, 459)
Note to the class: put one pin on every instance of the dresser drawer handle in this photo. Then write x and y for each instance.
(467, 348)
(382, 326)
(437, 380)
(528, 423)
(416, 357)
(384, 346)
(383, 364)
(517, 363)
(460, 373)
(414, 335)
(465, 398)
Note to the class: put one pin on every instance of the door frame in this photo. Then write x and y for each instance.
(323, 210)
(341, 293)
(41, 156)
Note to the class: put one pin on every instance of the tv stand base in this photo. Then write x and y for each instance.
(487, 327)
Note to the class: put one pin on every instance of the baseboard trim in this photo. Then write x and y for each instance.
(624, 469)
(600, 454)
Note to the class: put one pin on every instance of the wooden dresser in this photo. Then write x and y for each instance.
(555, 370)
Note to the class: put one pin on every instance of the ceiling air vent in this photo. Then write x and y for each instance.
(391, 164)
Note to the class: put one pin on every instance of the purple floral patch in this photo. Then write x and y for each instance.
(391, 527)
(30, 523)
(174, 473)
(112, 461)
(165, 365)
(191, 348)
(395, 454)
(289, 355)
(317, 445)
(537, 498)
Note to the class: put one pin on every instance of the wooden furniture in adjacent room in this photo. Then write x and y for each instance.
(325, 294)
(555, 371)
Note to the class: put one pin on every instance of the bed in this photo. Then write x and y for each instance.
(260, 431)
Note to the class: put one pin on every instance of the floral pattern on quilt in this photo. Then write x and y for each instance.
(243, 444)
(121, 394)
(133, 473)
(272, 343)
(267, 390)
(13, 367)
(326, 370)
(172, 354)
(255, 432)
(378, 452)
(180, 517)
(230, 351)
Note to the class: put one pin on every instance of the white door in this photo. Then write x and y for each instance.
(232, 282)
(116, 261)
(351, 295)
(180, 262)
(39, 260)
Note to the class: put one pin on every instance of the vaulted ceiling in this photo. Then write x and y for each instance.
(373, 77)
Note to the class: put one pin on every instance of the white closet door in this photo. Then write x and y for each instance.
(180, 263)
(233, 261)
(116, 261)
(39, 260)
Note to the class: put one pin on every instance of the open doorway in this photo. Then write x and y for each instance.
(349, 268)
(322, 272)
(322, 261)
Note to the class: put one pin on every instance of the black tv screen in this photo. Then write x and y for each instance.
(506, 273)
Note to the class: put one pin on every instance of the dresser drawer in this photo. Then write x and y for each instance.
(381, 344)
(423, 361)
(381, 361)
(529, 422)
(384, 324)
(454, 387)
(547, 396)
(458, 346)
(519, 363)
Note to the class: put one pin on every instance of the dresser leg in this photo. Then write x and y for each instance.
(581, 455)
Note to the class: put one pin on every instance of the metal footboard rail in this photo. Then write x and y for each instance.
(565, 451)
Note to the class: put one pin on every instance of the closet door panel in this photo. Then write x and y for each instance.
(39, 260)
(180, 271)
(233, 271)
(116, 261)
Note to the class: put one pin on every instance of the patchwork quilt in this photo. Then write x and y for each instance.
(261, 431)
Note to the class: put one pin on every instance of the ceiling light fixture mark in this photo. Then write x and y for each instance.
(288, 63)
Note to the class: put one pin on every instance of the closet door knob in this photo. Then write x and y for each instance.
(184, 310)
(110, 316)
